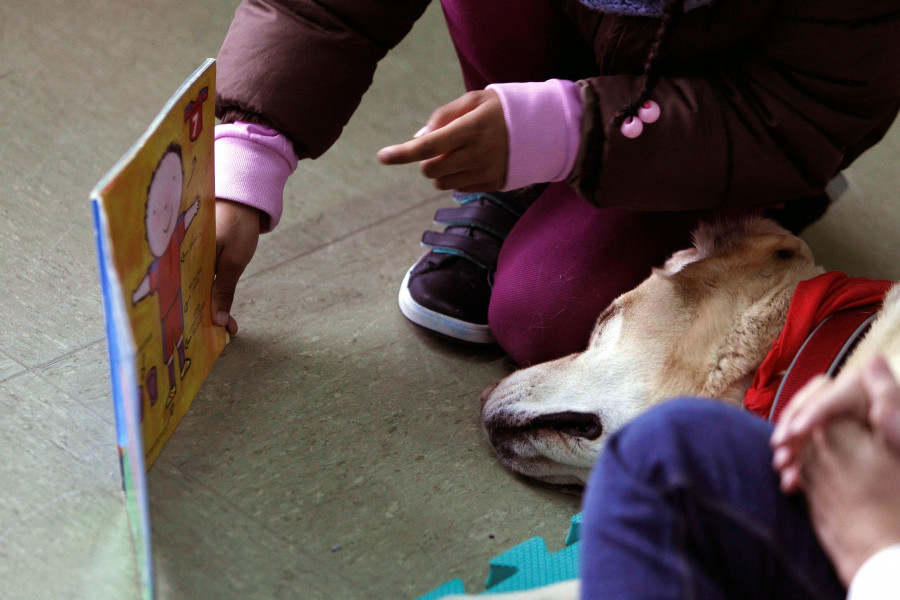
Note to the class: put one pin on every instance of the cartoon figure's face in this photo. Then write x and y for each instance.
(164, 203)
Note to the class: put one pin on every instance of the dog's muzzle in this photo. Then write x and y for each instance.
(503, 433)
(575, 424)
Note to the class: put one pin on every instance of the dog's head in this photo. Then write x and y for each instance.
(700, 325)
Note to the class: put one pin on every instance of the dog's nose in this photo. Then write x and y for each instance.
(487, 392)
(576, 424)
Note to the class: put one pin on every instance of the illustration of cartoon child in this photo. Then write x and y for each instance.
(165, 230)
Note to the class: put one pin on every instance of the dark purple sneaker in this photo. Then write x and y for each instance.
(449, 288)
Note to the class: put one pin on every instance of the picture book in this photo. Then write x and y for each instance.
(154, 224)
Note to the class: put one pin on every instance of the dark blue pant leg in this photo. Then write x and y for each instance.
(684, 504)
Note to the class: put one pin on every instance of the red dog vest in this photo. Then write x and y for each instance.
(826, 314)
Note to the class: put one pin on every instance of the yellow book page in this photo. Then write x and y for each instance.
(160, 209)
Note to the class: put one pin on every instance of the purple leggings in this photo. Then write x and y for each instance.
(565, 260)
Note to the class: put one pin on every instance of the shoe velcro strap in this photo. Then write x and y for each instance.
(514, 202)
(483, 254)
(487, 217)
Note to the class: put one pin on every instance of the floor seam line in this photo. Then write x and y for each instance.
(342, 237)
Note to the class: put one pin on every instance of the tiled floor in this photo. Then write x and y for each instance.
(335, 450)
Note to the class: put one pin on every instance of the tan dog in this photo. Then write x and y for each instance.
(699, 326)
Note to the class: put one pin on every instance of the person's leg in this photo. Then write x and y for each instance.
(515, 40)
(565, 261)
(683, 503)
(448, 289)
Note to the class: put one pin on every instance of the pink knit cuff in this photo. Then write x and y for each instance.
(543, 121)
(253, 163)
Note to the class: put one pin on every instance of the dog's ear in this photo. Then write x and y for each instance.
(729, 250)
(785, 249)
(711, 239)
(678, 261)
(751, 240)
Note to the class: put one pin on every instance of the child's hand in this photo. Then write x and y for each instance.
(462, 147)
(237, 233)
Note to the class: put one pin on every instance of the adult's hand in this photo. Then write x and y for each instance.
(237, 235)
(870, 395)
(463, 146)
(851, 479)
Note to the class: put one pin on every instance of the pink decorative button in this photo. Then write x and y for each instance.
(632, 127)
(649, 112)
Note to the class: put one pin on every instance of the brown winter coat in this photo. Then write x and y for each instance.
(762, 100)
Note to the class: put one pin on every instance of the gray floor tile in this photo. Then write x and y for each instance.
(84, 376)
(207, 548)
(73, 544)
(63, 526)
(9, 367)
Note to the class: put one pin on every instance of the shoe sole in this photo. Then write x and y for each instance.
(440, 323)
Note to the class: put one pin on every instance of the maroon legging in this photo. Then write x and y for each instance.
(565, 259)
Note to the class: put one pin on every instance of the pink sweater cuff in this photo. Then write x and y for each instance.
(543, 121)
(253, 163)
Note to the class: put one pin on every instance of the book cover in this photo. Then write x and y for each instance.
(154, 221)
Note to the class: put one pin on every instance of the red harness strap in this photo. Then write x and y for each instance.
(814, 302)
(824, 351)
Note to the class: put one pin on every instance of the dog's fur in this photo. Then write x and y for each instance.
(699, 326)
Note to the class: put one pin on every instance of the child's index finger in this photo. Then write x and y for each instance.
(393, 155)
(405, 153)
(421, 148)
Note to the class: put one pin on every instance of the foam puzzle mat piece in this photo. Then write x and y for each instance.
(574, 530)
(454, 586)
(529, 565)
(525, 566)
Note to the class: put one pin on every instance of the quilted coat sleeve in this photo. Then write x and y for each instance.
(302, 66)
(762, 102)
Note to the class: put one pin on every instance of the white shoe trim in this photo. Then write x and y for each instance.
(435, 321)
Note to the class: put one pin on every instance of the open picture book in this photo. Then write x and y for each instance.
(154, 224)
